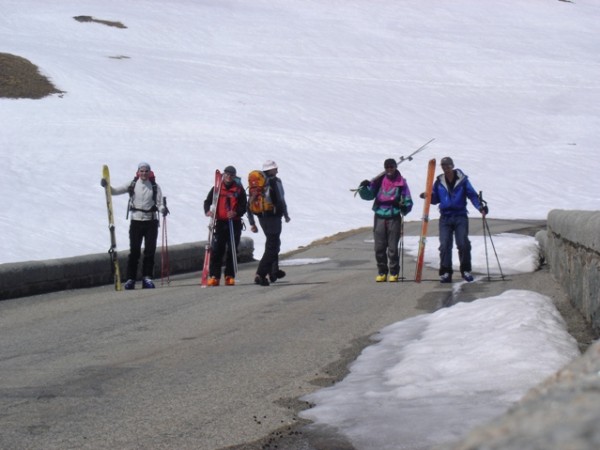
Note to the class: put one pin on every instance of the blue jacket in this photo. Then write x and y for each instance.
(454, 202)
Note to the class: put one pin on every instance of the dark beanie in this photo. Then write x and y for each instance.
(447, 161)
(231, 170)
(390, 162)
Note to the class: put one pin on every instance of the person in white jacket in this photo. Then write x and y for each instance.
(145, 203)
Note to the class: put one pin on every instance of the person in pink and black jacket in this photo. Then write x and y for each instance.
(392, 201)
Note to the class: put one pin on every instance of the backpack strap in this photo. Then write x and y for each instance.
(131, 190)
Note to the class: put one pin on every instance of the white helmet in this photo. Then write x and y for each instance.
(269, 165)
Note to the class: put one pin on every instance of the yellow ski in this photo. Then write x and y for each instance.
(111, 227)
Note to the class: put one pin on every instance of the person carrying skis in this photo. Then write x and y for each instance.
(145, 202)
(392, 201)
(270, 222)
(450, 191)
(231, 206)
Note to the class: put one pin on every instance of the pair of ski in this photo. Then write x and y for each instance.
(400, 161)
(425, 220)
(209, 247)
(112, 251)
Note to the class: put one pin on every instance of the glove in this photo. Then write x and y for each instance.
(165, 211)
(364, 183)
(422, 195)
(484, 210)
(103, 182)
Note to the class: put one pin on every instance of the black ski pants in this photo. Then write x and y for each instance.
(269, 263)
(147, 231)
(222, 248)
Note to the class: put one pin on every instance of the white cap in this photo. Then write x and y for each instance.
(269, 165)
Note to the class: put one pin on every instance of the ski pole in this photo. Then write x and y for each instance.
(487, 261)
(232, 241)
(164, 254)
(402, 248)
(485, 222)
(486, 227)
(233, 248)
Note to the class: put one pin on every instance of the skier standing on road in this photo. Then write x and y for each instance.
(270, 222)
(451, 190)
(392, 201)
(231, 206)
(145, 202)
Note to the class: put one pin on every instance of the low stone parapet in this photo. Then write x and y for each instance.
(572, 250)
(38, 277)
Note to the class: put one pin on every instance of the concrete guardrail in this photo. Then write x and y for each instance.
(37, 277)
(572, 249)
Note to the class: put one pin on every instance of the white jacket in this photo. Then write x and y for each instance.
(142, 202)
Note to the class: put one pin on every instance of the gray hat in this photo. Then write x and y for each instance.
(144, 164)
(230, 169)
(447, 161)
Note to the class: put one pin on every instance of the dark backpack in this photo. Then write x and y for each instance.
(131, 189)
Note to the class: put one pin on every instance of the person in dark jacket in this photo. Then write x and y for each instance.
(392, 201)
(270, 221)
(450, 191)
(231, 206)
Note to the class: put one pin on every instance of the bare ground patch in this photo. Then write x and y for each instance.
(109, 23)
(19, 78)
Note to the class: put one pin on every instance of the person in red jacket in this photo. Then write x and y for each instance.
(231, 206)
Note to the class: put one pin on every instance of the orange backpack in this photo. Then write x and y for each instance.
(259, 193)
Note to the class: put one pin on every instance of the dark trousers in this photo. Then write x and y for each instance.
(222, 248)
(269, 263)
(387, 233)
(147, 231)
(457, 227)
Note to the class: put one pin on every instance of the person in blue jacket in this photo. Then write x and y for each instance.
(450, 191)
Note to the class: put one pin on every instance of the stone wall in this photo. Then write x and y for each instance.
(38, 277)
(563, 412)
(572, 249)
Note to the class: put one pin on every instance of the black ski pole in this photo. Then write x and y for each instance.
(164, 254)
(402, 247)
(493, 246)
(487, 260)
(232, 242)
(233, 248)
(487, 228)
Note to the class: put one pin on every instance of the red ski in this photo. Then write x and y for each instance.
(425, 221)
(211, 229)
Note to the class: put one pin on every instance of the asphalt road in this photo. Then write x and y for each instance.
(190, 368)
